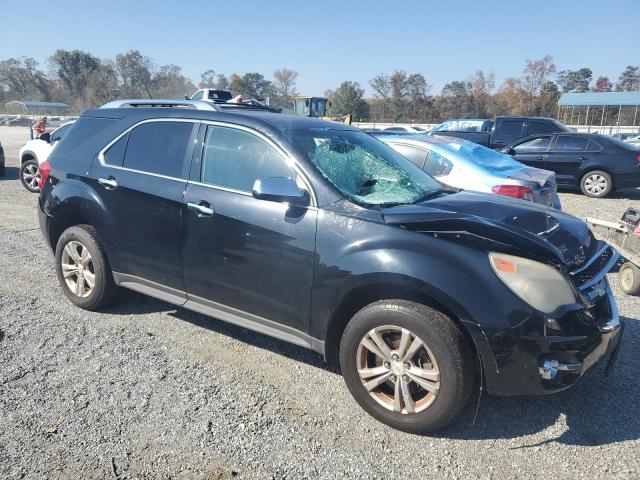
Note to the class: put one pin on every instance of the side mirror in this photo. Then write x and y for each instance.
(280, 189)
(508, 150)
(187, 97)
(45, 136)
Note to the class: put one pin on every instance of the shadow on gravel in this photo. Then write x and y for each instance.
(11, 173)
(135, 303)
(629, 194)
(598, 410)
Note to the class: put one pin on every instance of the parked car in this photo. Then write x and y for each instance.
(2, 163)
(321, 235)
(635, 140)
(498, 133)
(597, 164)
(624, 136)
(406, 129)
(36, 151)
(463, 164)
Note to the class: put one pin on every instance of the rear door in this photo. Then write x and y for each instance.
(140, 180)
(506, 132)
(244, 256)
(566, 156)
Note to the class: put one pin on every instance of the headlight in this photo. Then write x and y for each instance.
(541, 286)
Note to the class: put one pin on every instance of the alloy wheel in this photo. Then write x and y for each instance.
(595, 184)
(398, 369)
(31, 176)
(78, 269)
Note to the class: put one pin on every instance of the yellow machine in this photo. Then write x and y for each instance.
(316, 107)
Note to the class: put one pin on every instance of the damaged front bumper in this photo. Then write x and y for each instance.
(547, 354)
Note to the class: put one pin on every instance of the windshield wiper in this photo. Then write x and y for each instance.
(435, 193)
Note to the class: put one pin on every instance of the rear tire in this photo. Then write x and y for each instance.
(596, 184)
(83, 269)
(416, 393)
(30, 175)
(629, 278)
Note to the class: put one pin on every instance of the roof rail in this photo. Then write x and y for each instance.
(160, 102)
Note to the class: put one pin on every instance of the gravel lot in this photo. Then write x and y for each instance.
(147, 390)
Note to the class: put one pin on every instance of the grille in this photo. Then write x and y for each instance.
(581, 277)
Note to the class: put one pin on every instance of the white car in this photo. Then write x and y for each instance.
(406, 129)
(36, 151)
(633, 140)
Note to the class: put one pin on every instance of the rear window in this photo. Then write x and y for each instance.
(81, 130)
(570, 144)
(158, 147)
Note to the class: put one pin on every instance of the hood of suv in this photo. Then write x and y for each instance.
(516, 224)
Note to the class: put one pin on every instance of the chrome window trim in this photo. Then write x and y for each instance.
(101, 154)
(290, 160)
(282, 152)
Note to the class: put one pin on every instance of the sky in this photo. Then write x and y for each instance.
(330, 41)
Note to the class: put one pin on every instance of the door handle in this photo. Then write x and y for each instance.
(202, 208)
(540, 157)
(582, 158)
(108, 183)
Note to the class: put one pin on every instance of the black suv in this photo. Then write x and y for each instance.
(319, 234)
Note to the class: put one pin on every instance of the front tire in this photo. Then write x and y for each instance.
(30, 175)
(83, 270)
(407, 365)
(596, 184)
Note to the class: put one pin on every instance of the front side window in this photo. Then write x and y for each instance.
(198, 95)
(235, 159)
(570, 144)
(535, 145)
(159, 147)
(364, 169)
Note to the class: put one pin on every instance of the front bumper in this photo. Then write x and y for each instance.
(547, 354)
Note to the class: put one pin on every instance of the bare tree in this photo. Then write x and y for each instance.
(284, 86)
(536, 74)
(381, 85)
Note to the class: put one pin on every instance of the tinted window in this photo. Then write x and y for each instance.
(593, 146)
(535, 145)
(81, 130)
(159, 147)
(570, 144)
(510, 128)
(437, 165)
(394, 129)
(115, 154)
(236, 159)
(59, 133)
(415, 154)
(539, 127)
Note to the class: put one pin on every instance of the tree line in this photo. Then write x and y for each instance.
(83, 80)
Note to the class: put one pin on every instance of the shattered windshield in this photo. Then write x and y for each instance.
(363, 168)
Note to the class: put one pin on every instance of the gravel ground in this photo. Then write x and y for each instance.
(147, 390)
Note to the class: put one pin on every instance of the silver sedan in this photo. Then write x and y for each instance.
(463, 164)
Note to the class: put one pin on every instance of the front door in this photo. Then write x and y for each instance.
(533, 152)
(140, 180)
(244, 256)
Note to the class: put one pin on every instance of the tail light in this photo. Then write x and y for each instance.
(637, 159)
(45, 170)
(515, 191)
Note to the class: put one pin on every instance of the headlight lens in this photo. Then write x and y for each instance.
(541, 286)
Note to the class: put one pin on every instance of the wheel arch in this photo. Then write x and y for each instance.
(26, 156)
(363, 295)
(593, 168)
